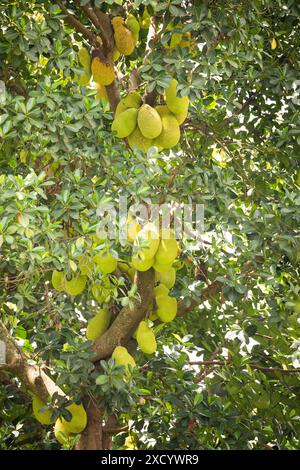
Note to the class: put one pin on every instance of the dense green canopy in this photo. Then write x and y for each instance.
(226, 371)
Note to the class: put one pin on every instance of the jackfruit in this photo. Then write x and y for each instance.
(58, 280)
(145, 20)
(162, 110)
(133, 100)
(273, 44)
(161, 289)
(123, 36)
(149, 122)
(176, 105)
(167, 250)
(181, 117)
(123, 358)
(116, 54)
(103, 72)
(133, 228)
(84, 59)
(121, 107)
(102, 293)
(146, 338)
(106, 262)
(125, 123)
(76, 285)
(146, 242)
(101, 92)
(167, 279)
(84, 79)
(142, 264)
(161, 268)
(44, 417)
(97, 325)
(134, 26)
(85, 265)
(167, 308)
(60, 432)
(137, 140)
(78, 421)
(170, 134)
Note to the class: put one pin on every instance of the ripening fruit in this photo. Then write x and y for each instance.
(123, 358)
(78, 421)
(167, 279)
(84, 59)
(84, 79)
(123, 36)
(133, 228)
(176, 105)
(141, 264)
(103, 72)
(170, 134)
(273, 44)
(116, 54)
(60, 432)
(133, 100)
(97, 325)
(161, 268)
(146, 242)
(145, 20)
(101, 92)
(161, 289)
(76, 285)
(146, 338)
(168, 249)
(181, 117)
(137, 140)
(149, 122)
(58, 280)
(125, 123)
(134, 26)
(44, 417)
(106, 262)
(167, 308)
(121, 107)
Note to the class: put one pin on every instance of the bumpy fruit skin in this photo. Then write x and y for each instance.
(176, 105)
(161, 268)
(142, 264)
(123, 358)
(60, 432)
(98, 324)
(84, 58)
(58, 280)
(101, 92)
(167, 308)
(145, 20)
(146, 338)
(146, 242)
(170, 134)
(149, 122)
(134, 26)
(167, 251)
(42, 417)
(161, 289)
(76, 285)
(123, 36)
(133, 100)
(103, 72)
(106, 262)
(121, 107)
(116, 54)
(138, 141)
(125, 123)
(167, 279)
(78, 421)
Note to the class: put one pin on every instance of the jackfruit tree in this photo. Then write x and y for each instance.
(116, 332)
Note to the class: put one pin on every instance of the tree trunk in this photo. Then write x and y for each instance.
(91, 438)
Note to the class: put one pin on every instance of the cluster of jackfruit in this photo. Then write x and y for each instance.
(145, 126)
(63, 429)
(126, 34)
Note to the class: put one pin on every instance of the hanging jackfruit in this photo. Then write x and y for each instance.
(137, 140)
(103, 72)
(149, 122)
(125, 123)
(146, 338)
(133, 100)
(78, 420)
(98, 324)
(176, 105)
(134, 26)
(123, 36)
(170, 134)
(76, 285)
(123, 358)
(44, 417)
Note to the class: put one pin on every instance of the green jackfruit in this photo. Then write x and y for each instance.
(125, 123)
(170, 134)
(167, 308)
(84, 59)
(44, 417)
(106, 262)
(58, 280)
(146, 338)
(78, 421)
(76, 285)
(98, 324)
(142, 264)
(123, 358)
(137, 140)
(149, 122)
(134, 26)
(167, 279)
(176, 105)
(133, 100)
(60, 432)
(146, 242)
(121, 107)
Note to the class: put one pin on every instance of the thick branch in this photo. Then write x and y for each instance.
(128, 319)
(31, 376)
(106, 29)
(73, 21)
